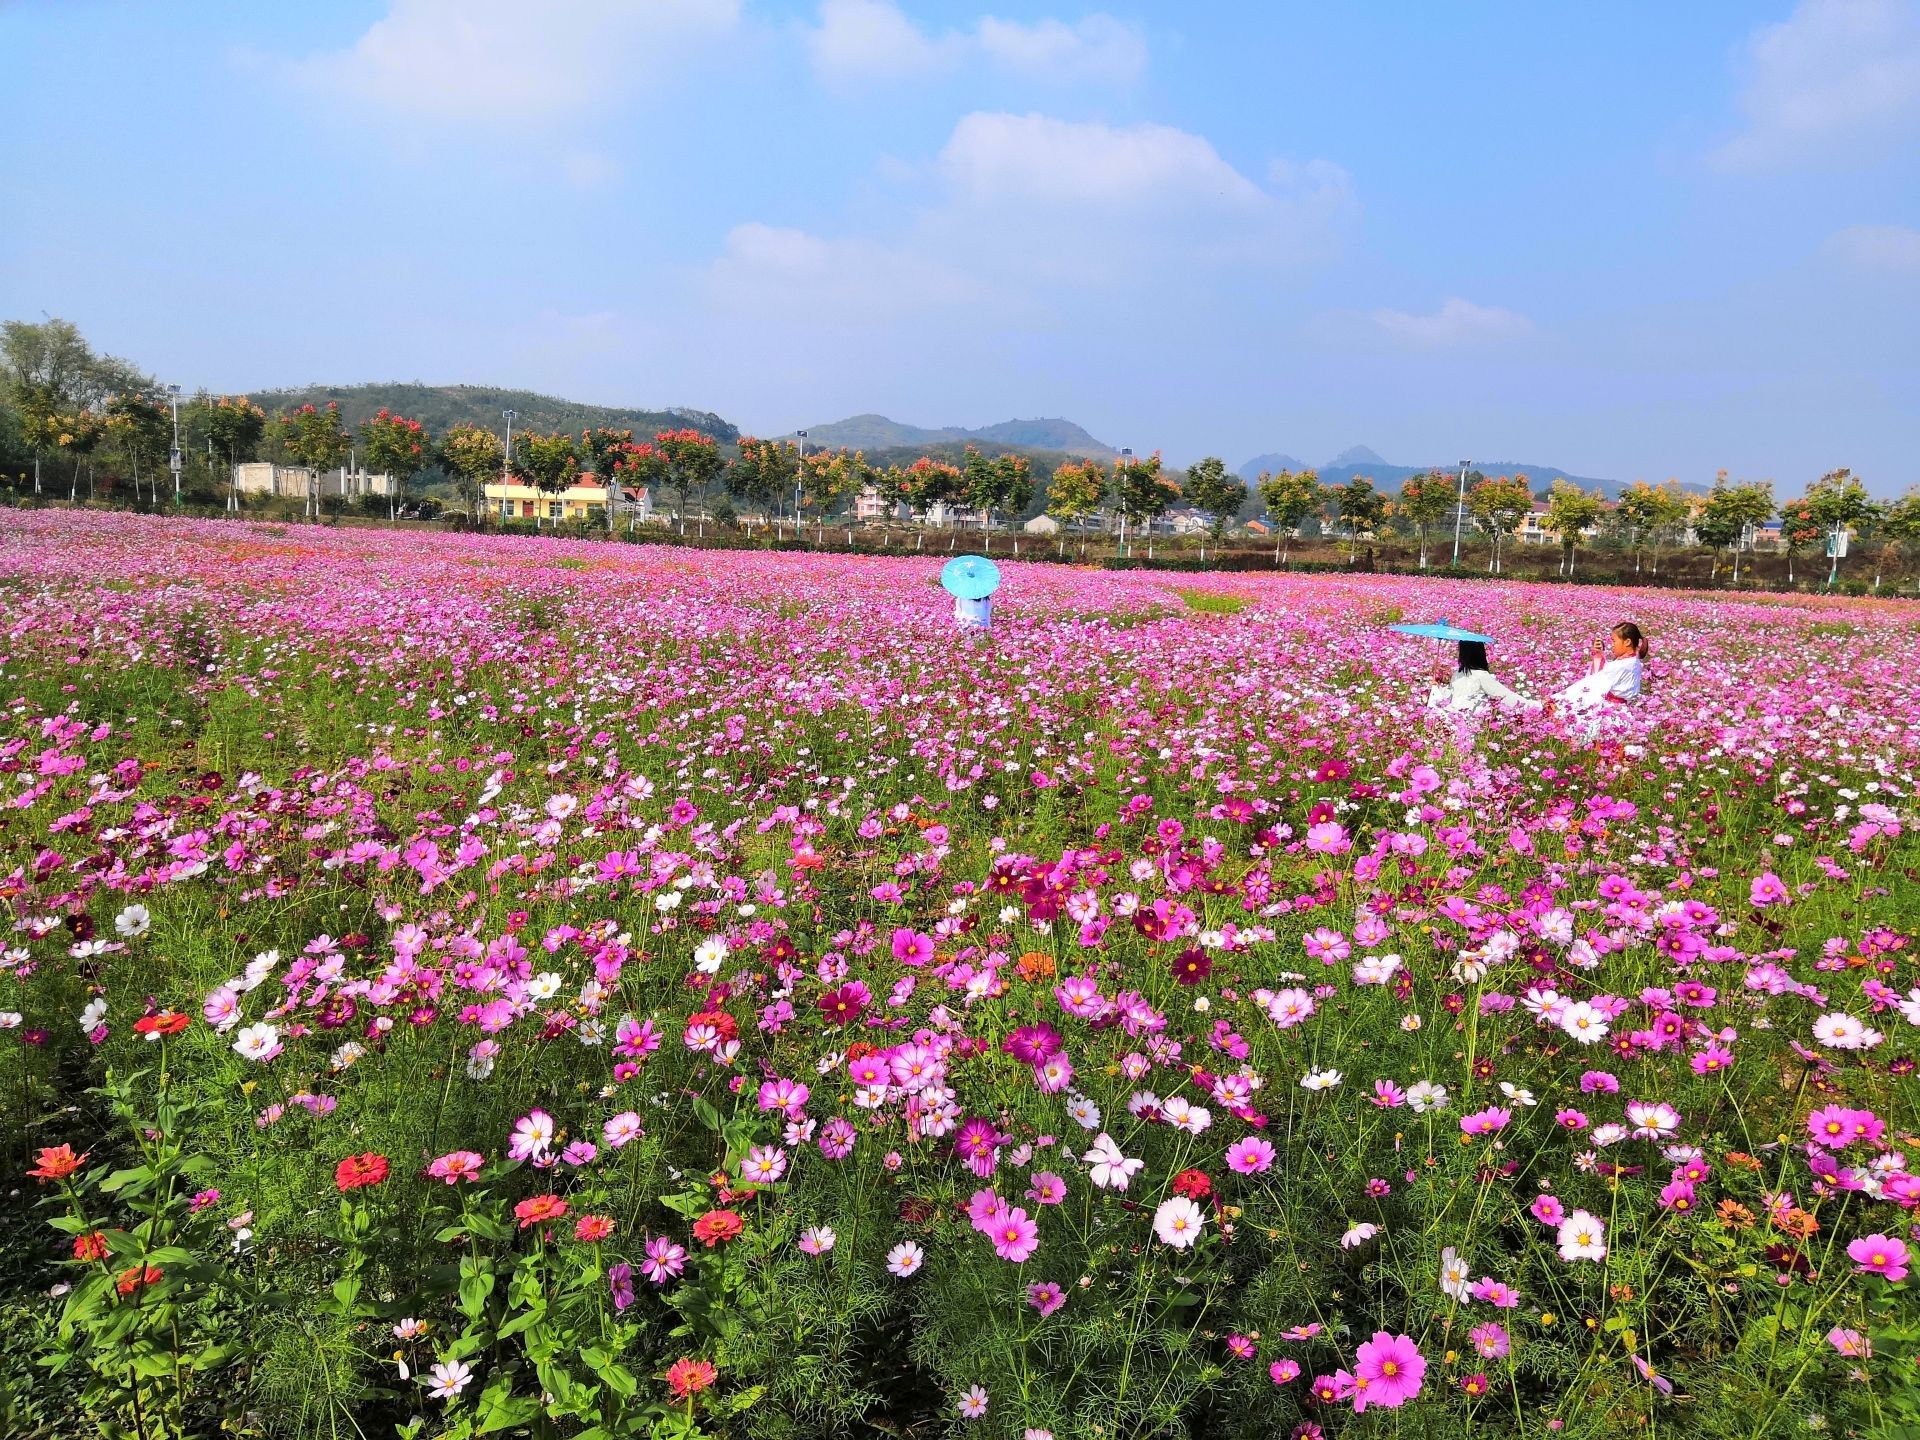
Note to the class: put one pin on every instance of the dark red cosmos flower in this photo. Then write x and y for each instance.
(843, 1005)
(360, 1170)
(1192, 965)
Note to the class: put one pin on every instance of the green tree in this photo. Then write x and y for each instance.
(1002, 482)
(471, 455)
(1498, 503)
(1076, 490)
(1290, 497)
(235, 425)
(1728, 512)
(601, 449)
(140, 431)
(550, 461)
(1570, 510)
(1140, 491)
(1424, 501)
(49, 376)
(829, 477)
(1361, 508)
(398, 446)
(1838, 502)
(314, 437)
(1214, 489)
(764, 473)
(924, 484)
(1900, 523)
(1647, 512)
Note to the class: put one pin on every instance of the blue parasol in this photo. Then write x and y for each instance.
(1441, 630)
(970, 577)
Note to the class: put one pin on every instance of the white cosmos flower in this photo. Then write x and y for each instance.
(132, 922)
(1111, 1170)
(259, 1041)
(1320, 1080)
(1582, 1237)
(1358, 1235)
(1424, 1095)
(1585, 1023)
(94, 1015)
(1455, 1276)
(1178, 1222)
(710, 955)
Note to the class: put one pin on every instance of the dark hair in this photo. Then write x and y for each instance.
(1630, 632)
(1473, 654)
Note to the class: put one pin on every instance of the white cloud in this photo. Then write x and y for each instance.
(1891, 249)
(1456, 323)
(507, 62)
(1029, 219)
(1838, 79)
(1097, 48)
(867, 40)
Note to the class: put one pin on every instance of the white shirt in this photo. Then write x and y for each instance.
(1471, 690)
(973, 614)
(1617, 682)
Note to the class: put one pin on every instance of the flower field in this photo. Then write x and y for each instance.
(466, 985)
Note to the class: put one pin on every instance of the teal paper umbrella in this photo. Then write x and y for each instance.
(970, 577)
(1441, 630)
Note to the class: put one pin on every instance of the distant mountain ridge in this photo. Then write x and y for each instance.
(877, 432)
(439, 407)
(1359, 460)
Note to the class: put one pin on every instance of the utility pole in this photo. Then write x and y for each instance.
(1460, 512)
(796, 482)
(506, 470)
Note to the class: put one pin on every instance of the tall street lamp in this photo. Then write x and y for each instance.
(506, 467)
(796, 482)
(173, 457)
(1460, 512)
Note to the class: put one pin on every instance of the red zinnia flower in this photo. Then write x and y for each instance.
(1193, 1184)
(90, 1246)
(57, 1162)
(592, 1228)
(717, 1225)
(164, 1022)
(689, 1377)
(358, 1170)
(134, 1276)
(539, 1208)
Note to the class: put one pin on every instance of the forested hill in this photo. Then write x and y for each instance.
(441, 406)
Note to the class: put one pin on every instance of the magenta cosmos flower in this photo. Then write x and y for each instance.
(1881, 1255)
(1387, 1371)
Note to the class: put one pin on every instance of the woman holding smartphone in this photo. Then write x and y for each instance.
(1618, 673)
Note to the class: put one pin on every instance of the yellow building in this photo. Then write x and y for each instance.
(585, 499)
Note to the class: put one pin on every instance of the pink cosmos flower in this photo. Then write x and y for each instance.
(665, 1260)
(1281, 1371)
(1046, 1297)
(1881, 1255)
(1250, 1156)
(1766, 890)
(1387, 1371)
(1485, 1122)
(1015, 1236)
(455, 1166)
(1178, 1222)
(1489, 1341)
(1547, 1209)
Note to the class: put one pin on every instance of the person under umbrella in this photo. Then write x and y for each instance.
(1470, 686)
(971, 580)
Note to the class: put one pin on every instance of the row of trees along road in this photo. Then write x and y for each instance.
(71, 414)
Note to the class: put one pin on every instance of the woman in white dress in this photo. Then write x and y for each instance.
(1472, 686)
(1618, 673)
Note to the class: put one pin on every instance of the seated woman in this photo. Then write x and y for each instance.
(1472, 685)
(1617, 676)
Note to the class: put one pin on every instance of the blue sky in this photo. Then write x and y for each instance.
(1633, 240)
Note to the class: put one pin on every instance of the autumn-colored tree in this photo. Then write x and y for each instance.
(471, 455)
(1290, 497)
(924, 484)
(601, 449)
(693, 460)
(397, 446)
(641, 465)
(1140, 491)
(1798, 531)
(1211, 487)
(1499, 503)
(551, 462)
(77, 434)
(1076, 490)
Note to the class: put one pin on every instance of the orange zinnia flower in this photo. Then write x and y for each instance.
(164, 1022)
(90, 1246)
(592, 1228)
(57, 1162)
(358, 1170)
(134, 1276)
